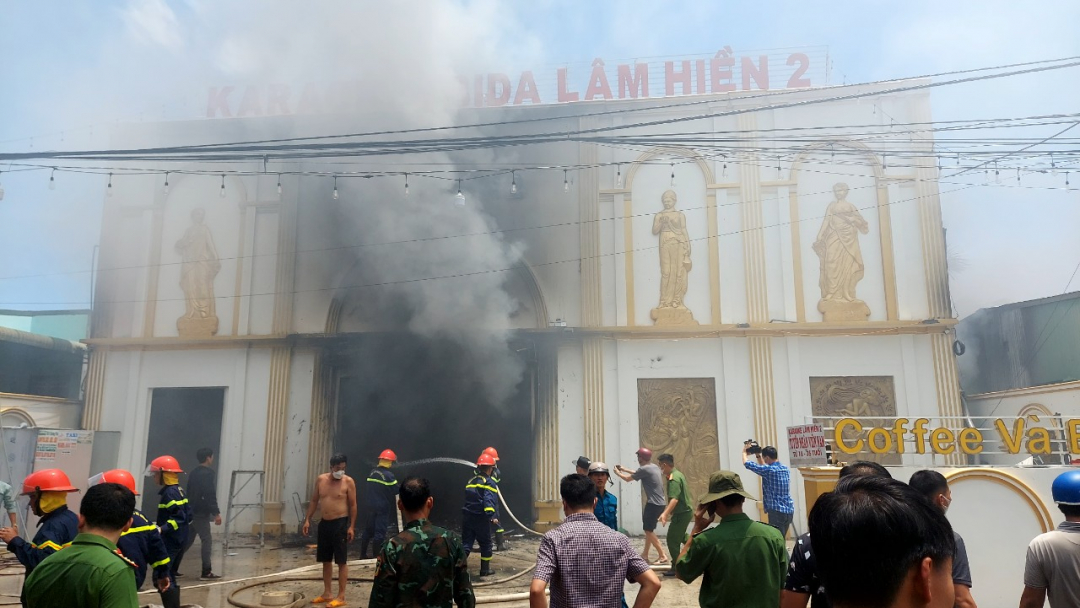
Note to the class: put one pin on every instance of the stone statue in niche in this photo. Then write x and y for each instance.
(837, 246)
(674, 264)
(197, 272)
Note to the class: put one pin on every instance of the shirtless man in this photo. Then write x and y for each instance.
(335, 494)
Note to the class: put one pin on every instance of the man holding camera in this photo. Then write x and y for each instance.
(776, 482)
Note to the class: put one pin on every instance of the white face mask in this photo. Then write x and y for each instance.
(338, 474)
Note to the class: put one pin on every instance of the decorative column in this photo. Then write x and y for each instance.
(280, 364)
(319, 446)
(588, 187)
(592, 349)
(935, 267)
(592, 362)
(93, 402)
(546, 449)
(761, 375)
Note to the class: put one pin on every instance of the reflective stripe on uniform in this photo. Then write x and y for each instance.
(49, 545)
(385, 483)
(485, 559)
(173, 503)
(172, 522)
(489, 509)
(480, 485)
(160, 563)
(139, 529)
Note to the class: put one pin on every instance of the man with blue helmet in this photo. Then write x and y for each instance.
(1052, 570)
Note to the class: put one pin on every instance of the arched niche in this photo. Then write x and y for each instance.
(353, 309)
(884, 234)
(697, 201)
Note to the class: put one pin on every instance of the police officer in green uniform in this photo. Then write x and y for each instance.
(424, 565)
(90, 573)
(678, 514)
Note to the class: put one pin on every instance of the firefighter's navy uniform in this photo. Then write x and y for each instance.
(380, 496)
(481, 506)
(56, 530)
(142, 544)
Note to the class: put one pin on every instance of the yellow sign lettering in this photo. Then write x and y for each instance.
(1039, 441)
(898, 431)
(942, 440)
(872, 439)
(919, 431)
(1011, 441)
(1074, 436)
(971, 441)
(842, 426)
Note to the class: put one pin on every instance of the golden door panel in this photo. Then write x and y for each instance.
(855, 397)
(678, 416)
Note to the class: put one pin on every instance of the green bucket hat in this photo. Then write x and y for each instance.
(724, 483)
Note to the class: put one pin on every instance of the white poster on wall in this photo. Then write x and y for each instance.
(806, 445)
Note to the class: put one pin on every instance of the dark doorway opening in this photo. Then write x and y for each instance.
(423, 398)
(182, 420)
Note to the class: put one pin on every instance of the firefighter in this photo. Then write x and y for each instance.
(479, 512)
(174, 512)
(496, 476)
(379, 500)
(48, 490)
(142, 544)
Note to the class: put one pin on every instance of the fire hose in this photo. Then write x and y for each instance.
(301, 600)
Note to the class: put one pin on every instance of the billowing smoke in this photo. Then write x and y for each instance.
(403, 259)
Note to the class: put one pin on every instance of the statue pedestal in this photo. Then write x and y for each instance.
(673, 316)
(197, 328)
(840, 312)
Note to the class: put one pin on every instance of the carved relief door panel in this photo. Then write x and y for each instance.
(678, 416)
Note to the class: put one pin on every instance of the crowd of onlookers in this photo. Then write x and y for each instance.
(873, 542)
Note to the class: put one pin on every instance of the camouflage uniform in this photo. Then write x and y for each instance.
(424, 566)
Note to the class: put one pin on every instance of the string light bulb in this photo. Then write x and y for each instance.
(1018, 175)
(565, 182)
(166, 189)
(221, 193)
(335, 188)
(1053, 165)
(52, 179)
(108, 190)
(513, 182)
(279, 184)
(406, 184)
(1, 190)
(618, 176)
(672, 175)
(1066, 180)
(459, 198)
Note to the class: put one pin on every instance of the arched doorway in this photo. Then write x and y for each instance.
(447, 393)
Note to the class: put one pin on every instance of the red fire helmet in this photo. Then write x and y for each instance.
(165, 463)
(47, 480)
(388, 454)
(485, 460)
(119, 476)
(492, 452)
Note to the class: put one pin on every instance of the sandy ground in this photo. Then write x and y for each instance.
(241, 564)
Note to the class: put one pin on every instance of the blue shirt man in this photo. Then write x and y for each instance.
(607, 505)
(775, 486)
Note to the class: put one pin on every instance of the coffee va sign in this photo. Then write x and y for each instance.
(1017, 436)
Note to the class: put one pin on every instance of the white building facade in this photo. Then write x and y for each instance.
(784, 299)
